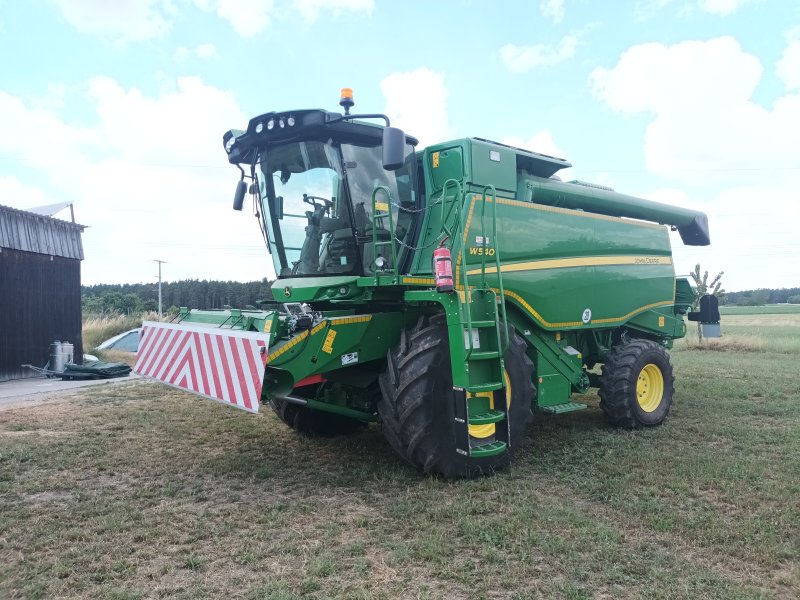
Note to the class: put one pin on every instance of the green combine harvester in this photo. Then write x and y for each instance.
(449, 294)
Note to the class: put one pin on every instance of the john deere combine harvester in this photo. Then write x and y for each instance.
(446, 293)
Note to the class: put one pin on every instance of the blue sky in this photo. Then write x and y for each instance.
(120, 108)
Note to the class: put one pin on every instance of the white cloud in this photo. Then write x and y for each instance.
(543, 143)
(311, 9)
(181, 54)
(248, 17)
(203, 52)
(206, 51)
(552, 9)
(150, 179)
(519, 59)
(788, 67)
(705, 125)
(15, 193)
(749, 239)
(737, 158)
(720, 7)
(421, 115)
(123, 20)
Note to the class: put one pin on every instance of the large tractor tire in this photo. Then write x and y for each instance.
(637, 385)
(314, 423)
(417, 402)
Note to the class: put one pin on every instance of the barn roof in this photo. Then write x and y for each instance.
(31, 232)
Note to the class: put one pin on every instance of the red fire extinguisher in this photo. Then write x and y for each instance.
(443, 269)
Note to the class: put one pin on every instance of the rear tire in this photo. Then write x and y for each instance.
(314, 423)
(417, 403)
(637, 385)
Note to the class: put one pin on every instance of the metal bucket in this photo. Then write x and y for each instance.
(67, 350)
(56, 357)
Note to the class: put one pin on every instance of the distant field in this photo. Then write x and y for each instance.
(771, 309)
(140, 491)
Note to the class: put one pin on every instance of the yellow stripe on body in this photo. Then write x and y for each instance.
(336, 321)
(583, 261)
(419, 280)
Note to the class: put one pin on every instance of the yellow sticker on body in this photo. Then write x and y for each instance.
(328, 345)
(435, 160)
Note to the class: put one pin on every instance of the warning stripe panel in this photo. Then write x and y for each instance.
(220, 364)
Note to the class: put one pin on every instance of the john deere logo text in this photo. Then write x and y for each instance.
(287, 291)
(646, 260)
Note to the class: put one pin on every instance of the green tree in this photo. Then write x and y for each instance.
(703, 287)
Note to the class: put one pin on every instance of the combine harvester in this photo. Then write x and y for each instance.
(446, 294)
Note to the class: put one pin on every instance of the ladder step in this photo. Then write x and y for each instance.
(478, 324)
(557, 409)
(487, 355)
(488, 449)
(492, 416)
(484, 387)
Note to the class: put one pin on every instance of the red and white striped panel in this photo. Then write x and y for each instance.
(220, 364)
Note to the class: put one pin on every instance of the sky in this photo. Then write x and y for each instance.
(120, 107)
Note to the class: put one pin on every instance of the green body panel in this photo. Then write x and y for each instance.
(336, 342)
(315, 289)
(246, 320)
(556, 263)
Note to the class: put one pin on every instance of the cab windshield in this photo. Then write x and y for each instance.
(316, 202)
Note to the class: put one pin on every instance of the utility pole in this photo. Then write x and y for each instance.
(160, 262)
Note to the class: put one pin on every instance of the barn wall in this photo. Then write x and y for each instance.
(40, 301)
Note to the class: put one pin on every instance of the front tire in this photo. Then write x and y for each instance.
(417, 402)
(637, 385)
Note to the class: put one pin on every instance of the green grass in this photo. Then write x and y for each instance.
(780, 309)
(98, 329)
(139, 491)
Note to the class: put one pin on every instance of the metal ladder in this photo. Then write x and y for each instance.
(484, 324)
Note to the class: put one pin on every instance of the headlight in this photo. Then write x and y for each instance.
(229, 144)
(290, 121)
(259, 127)
(270, 123)
(380, 262)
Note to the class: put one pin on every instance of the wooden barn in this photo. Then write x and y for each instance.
(40, 287)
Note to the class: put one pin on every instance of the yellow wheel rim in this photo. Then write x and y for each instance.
(650, 388)
(485, 431)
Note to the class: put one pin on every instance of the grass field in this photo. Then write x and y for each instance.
(139, 491)
(779, 309)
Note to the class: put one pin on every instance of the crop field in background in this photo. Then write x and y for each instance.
(136, 490)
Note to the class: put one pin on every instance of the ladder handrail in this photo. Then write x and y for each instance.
(375, 243)
(458, 197)
(503, 345)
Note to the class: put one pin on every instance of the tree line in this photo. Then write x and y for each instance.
(763, 296)
(133, 298)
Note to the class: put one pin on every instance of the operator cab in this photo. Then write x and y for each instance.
(314, 175)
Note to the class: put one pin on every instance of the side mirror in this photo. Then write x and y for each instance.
(238, 197)
(394, 146)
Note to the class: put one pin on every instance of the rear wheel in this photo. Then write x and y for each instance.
(314, 423)
(417, 403)
(637, 385)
